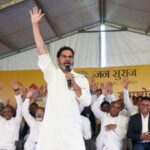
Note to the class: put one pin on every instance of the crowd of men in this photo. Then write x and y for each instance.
(119, 120)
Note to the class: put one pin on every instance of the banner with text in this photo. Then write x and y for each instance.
(139, 77)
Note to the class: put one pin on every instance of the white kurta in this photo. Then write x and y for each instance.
(132, 109)
(109, 98)
(62, 124)
(9, 129)
(34, 125)
(86, 125)
(109, 140)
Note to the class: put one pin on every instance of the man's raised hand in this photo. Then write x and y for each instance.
(17, 87)
(36, 15)
(125, 82)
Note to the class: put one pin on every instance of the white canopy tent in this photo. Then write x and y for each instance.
(122, 49)
(68, 21)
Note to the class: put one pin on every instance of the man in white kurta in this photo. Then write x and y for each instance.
(9, 129)
(110, 138)
(34, 123)
(131, 108)
(62, 124)
(86, 128)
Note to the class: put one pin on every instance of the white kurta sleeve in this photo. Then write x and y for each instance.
(45, 100)
(85, 98)
(19, 101)
(94, 99)
(96, 108)
(121, 129)
(26, 114)
(110, 98)
(86, 128)
(46, 65)
(129, 105)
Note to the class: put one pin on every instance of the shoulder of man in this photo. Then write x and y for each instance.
(135, 116)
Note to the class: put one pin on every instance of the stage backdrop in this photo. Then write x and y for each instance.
(139, 77)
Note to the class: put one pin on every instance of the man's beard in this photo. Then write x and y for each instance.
(64, 67)
(39, 118)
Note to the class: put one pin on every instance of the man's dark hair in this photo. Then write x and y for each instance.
(63, 49)
(8, 106)
(139, 98)
(115, 102)
(105, 103)
(145, 98)
(99, 90)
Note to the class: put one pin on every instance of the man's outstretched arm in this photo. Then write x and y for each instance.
(36, 16)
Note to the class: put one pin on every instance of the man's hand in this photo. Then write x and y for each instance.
(43, 90)
(109, 86)
(76, 88)
(125, 83)
(104, 90)
(69, 76)
(110, 127)
(148, 136)
(7, 101)
(30, 93)
(16, 86)
(145, 136)
(36, 15)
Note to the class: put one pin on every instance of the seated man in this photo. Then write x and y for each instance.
(139, 126)
(9, 125)
(113, 125)
(34, 123)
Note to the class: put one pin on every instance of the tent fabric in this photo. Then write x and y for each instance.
(127, 48)
(66, 17)
(122, 49)
(86, 48)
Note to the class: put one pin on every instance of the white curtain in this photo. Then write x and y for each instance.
(22, 61)
(122, 49)
(86, 46)
(127, 48)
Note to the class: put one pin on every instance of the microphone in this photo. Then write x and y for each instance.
(68, 81)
